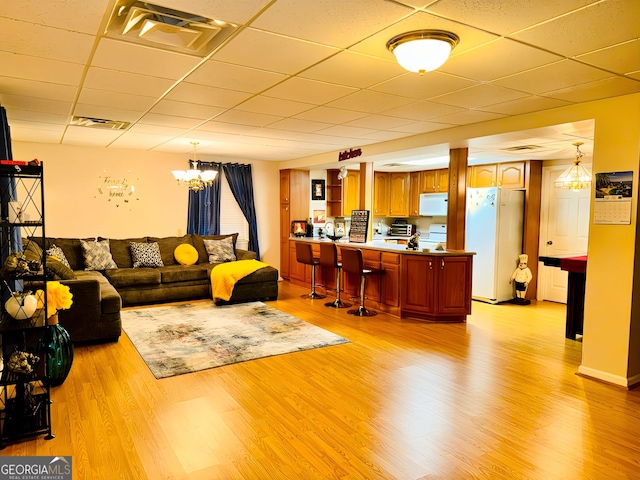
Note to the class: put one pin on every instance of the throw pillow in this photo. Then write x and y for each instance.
(145, 255)
(55, 251)
(220, 250)
(186, 254)
(97, 255)
(60, 270)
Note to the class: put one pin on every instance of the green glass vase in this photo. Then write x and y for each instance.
(59, 354)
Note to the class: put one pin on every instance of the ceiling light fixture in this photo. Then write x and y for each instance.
(195, 179)
(576, 177)
(422, 50)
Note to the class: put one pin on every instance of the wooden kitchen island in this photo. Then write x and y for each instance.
(433, 286)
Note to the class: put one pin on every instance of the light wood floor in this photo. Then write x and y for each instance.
(495, 398)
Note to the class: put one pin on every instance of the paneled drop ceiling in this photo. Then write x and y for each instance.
(292, 78)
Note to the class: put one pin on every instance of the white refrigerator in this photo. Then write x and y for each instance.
(494, 226)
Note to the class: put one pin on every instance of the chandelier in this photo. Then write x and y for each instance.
(194, 178)
(422, 50)
(575, 177)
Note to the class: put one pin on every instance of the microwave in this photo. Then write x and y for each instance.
(433, 204)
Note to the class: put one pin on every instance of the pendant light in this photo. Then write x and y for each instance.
(575, 177)
(194, 178)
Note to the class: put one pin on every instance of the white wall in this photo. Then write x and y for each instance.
(74, 207)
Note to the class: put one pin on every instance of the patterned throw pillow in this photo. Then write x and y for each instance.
(57, 252)
(97, 255)
(220, 250)
(145, 255)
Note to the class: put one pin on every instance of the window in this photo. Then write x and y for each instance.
(231, 217)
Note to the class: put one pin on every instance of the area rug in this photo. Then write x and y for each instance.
(174, 340)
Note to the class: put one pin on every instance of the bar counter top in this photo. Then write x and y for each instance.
(426, 248)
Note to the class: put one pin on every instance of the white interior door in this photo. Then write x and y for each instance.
(564, 229)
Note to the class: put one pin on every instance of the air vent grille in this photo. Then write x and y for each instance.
(99, 123)
(155, 26)
(519, 148)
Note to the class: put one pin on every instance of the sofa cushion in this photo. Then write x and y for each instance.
(182, 273)
(58, 253)
(128, 277)
(97, 255)
(220, 251)
(186, 254)
(168, 245)
(70, 246)
(59, 269)
(146, 255)
(32, 251)
(198, 242)
(110, 301)
(121, 252)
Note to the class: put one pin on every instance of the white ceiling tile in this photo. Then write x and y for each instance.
(30, 133)
(247, 118)
(382, 136)
(237, 12)
(107, 112)
(170, 121)
(609, 87)
(273, 106)
(138, 140)
(44, 42)
(127, 57)
(212, 96)
(635, 75)
(274, 133)
(370, 102)
(563, 74)
(345, 131)
(332, 140)
(481, 63)
(34, 104)
(234, 77)
(329, 115)
(623, 58)
(14, 115)
(162, 130)
(422, 127)
(479, 96)
(330, 22)
(310, 91)
(574, 34)
(296, 125)
(422, 87)
(73, 15)
(186, 109)
(525, 105)
(378, 122)
(422, 111)
(33, 68)
(126, 82)
(469, 116)
(504, 16)
(89, 136)
(221, 127)
(354, 70)
(18, 87)
(266, 51)
(116, 100)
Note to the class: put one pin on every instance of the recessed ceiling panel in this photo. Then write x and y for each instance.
(370, 102)
(309, 91)
(235, 77)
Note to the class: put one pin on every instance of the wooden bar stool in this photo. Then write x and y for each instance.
(352, 263)
(304, 254)
(329, 258)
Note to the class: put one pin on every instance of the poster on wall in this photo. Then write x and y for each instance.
(614, 192)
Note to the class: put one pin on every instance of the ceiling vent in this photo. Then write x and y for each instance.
(519, 148)
(394, 165)
(155, 26)
(99, 123)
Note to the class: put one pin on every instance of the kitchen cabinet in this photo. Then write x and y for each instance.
(381, 192)
(414, 193)
(370, 259)
(295, 191)
(390, 280)
(436, 288)
(507, 175)
(350, 192)
(390, 194)
(435, 181)
(334, 193)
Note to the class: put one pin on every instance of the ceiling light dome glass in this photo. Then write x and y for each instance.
(422, 51)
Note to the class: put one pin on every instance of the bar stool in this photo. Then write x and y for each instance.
(304, 254)
(329, 258)
(352, 263)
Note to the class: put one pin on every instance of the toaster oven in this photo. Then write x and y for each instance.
(402, 229)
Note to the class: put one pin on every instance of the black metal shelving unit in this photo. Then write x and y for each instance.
(25, 401)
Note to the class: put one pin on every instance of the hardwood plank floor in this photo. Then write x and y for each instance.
(495, 398)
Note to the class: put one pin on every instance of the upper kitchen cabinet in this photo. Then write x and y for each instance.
(435, 181)
(350, 192)
(334, 193)
(507, 175)
(414, 193)
(390, 194)
(381, 192)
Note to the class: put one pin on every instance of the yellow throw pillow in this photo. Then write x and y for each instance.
(186, 254)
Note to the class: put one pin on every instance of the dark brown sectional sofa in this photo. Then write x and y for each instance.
(99, 295)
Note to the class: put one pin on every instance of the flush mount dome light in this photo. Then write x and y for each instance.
(422, 50)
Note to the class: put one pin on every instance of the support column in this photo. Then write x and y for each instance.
(457, 208)
(366, 193)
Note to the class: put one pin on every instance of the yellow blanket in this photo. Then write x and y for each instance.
(225, 276)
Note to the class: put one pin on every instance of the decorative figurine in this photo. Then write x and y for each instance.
(414, 242)
(521, 277)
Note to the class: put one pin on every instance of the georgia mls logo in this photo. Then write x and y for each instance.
(35, 468)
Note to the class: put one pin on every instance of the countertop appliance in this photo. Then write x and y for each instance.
(433, 204)
(402, 229)
(494, 226)
(437, 234)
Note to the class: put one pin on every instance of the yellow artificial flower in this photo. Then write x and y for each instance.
(59, 297)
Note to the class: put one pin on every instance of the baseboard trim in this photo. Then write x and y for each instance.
(608, 377)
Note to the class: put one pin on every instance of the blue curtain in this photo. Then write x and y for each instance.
(241, 184)
(203, 215)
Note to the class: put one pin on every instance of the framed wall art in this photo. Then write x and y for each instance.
(317, 189)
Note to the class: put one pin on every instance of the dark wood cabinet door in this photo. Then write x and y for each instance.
(390, 280)
(418, 293)
(454, 285)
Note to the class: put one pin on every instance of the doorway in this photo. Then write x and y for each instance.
(564, 229)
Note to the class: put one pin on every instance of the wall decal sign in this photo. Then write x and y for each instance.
(347, 154)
